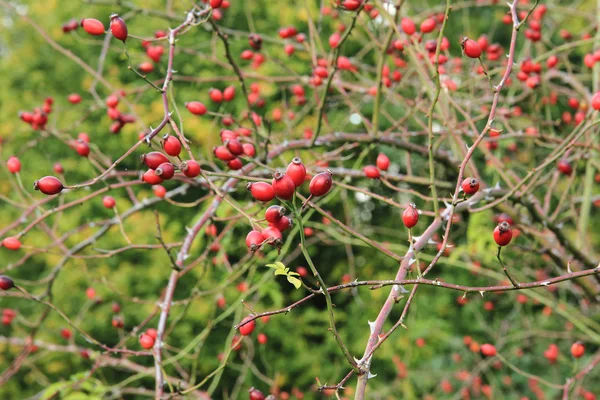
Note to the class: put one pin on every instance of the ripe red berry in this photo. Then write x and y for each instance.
(488, 350)
(118, 27)
(216, 3)
(274, 213)
(503, 234)
(234, 147)
(108, 201)
(190, 168)
(297, 171)
(248, 327)
(11, 243)
(408, 26)
(596, 101)
(471, 48)
(577, 349)
(48, 185)
(470, 185)
(6, 283)
(171, 145)
(321, 183)
(565, 167)
(371, 172)
(428, 25)
(92, 26)
(112, 101)
(146, 67)
(153, 333)
(235, 164)
(255, 41)
(146, 341)
(215, 95)
(283, 185)
(165, 171)
(383, 162)
(151, 178)
(283, 224)
(13, 164)
(159, 191)
(261, 191)
(272, 235)
(255, 394)
(223, 153)
(66, 333)
(410, 216)
(249, 149)
(254, 239)
(261, 338)
(82, 148)
(74, 98)
(229, 93)
(196, 108)
(153, 159)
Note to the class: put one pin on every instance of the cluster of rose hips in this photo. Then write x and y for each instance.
(231, 149)
(38, 118)
(148, 338)
(283, 186)
(383, 164)
(8, 314)
(160, 168)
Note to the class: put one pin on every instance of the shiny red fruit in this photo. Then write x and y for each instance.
(196, 108)
(255, 394)
(74, 98)
(471, 48)
(503, 234)
(249, 149)
(283, 224)
(410, 216)
(234, 147)
(13, 164)
(118, 27)
(428, 25)
(108, 201)
(146, 341)
(152, 333)
(92, 26)
(248, 327)
(190, 168)
(82, 148)
(171, 145)
(408, 26)
(321, 183)
(470, 185)
(261, 191)
(151, 178)
(235, 164)
(153, 159)
(11, 243)
(383, 162)
(159, 191)
(297, 171)
(215, 95)
(6, 283)
(488, 350)
(48, 185)
(596, 101)
(371, 172)
(254, 239)
(223, 153)
(216, 3)
(229, 93)
(165, 170)
(577, 349)
(283, 185)
(261, 338)
(272, 235)
(565, 167)
(274, 213)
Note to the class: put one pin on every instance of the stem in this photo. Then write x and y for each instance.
(510, 278)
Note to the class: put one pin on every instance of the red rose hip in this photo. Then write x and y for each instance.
(410, 216)
(470, 185)
(283, 185)
(48, 185)
(503, 234)
(261, 191)
(6, 283)
(297, 171)
(118, 27)
(321, 183)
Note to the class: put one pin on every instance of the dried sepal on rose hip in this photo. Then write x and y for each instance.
(470, 185)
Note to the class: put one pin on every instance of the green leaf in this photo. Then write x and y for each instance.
(280, 272)
(293, 273)
(277, 265)
(294, 281)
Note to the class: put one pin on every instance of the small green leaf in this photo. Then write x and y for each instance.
(280, 272)
(293, 273)
(294, 281)
(277, 265)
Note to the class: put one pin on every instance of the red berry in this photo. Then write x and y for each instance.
(165, 171)
(154, 53)
(117, 322)
(13, 164)
(66, 333)
(408, 26)
(503, 234)
(11, 243)
(116, 307)
(223, 153)
(146, 341)
(255, 41)
(171, 145)
(74, 98)
(151, 178)
(6, 283)
(283, 224)
(112, 101)
(471, 48)
(261, 338)
(234, 147)
(196, 108)
(235, 164)
(215, 95)
(297, 171)
(82, 148)
(190, 168)
(577, 349)
(159, 191)
(470, 185)
(84, 137)
(48, 185)
(383, 162)
(92, 26)
(261, 191)
(146, 67)
(249, 149)
(253, 240)
(371, 172)
(153, 159)
(272, 235)
(428, 25)
(248, 327)
(255, 394)
(283, 185)
(118, 27)
(321, 183)
(153, 333)
(229, 93)
(274, 213)
(596, 101)
(216, 3)
(108, 201)
(488, 350)
(565, 167)
(410, 216)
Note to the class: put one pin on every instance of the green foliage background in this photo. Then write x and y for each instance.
(299, 346)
